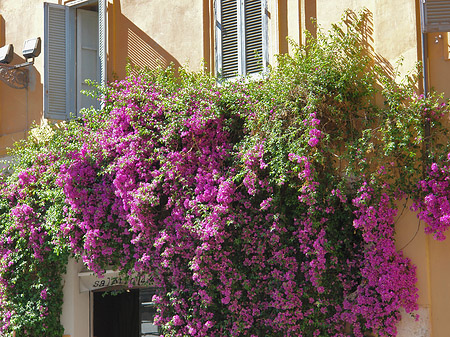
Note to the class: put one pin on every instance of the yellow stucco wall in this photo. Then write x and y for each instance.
(148, 33)
(152, 33)
(20, 107)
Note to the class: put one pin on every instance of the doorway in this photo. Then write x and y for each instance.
(116, 315)
(128, 313)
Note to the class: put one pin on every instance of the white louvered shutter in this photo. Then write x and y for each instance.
(253, 36)
(55, 84)
(102, 39)
(241, 37)
(435, 16)
(229, 37)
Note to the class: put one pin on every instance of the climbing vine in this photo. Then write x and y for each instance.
(259, 208)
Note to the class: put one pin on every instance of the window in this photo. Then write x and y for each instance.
(241, 37)
(74, 50)
(147, 312)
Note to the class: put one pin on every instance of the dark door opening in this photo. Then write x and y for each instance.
(126, 314)
(116, 315)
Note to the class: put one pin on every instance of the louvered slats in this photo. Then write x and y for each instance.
(229, 38)
(241, 43)
(56, 63)
(436, 16)
(253, 36)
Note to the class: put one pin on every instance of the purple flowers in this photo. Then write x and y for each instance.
(388, 278)
(313, 141)
(315, 135)
(44, 294)
(434, 207)
(181, 185)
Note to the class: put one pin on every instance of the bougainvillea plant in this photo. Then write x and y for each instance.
(259, 208)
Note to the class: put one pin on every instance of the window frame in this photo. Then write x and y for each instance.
(241, 40)
(66, 65)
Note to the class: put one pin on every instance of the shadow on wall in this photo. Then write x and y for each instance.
(367, 41)
(208, 35)
(129, 44)
(19, 107)
(311, 13)
(283, 27)
(309, 23)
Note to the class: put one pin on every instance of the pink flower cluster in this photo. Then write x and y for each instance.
(162, 185)
(434, 205)
(314, 133)
(387, 277)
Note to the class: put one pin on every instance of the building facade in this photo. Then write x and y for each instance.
(95, 39)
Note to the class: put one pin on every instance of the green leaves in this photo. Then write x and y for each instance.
(294, 149)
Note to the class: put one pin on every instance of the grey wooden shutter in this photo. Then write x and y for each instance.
(229, 38)
(102, 40)
(435, 16)
(55, 85)
(253, 36)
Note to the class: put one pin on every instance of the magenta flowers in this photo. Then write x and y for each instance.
(258, 208)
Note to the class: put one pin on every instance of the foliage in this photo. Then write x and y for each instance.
(259, 208)
(32, 258)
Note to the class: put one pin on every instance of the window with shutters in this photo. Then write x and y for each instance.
(241, 37)
(74, 51)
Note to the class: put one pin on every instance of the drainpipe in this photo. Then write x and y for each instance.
(424, 46)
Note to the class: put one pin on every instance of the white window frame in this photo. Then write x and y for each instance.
(60, 94)
(241, 57)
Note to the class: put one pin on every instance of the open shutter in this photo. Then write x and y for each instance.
(102, 39)
(435, 16)
(55, 76)
(229, 38)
